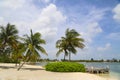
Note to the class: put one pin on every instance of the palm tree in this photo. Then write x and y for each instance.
(8, 38)
(74, 41)
(62, 45)
(32, 46)
(71, 41)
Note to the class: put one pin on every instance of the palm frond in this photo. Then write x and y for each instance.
(41, 49)
(59, 52)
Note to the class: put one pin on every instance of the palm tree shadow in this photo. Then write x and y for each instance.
(6, 67)
(32, 69)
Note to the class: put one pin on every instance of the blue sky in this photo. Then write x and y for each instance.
(98, 22)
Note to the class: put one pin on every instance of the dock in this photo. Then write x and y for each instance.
(97, 70)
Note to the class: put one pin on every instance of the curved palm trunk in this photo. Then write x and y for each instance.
(23, 63)
(69, 56)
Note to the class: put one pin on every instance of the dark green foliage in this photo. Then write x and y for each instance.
(65, 67)
(5, 59)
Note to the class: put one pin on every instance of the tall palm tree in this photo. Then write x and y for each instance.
(8, 38)
(32, 45)
(72, 41)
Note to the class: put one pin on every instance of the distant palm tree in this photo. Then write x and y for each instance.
(32, 45)
(70, 42)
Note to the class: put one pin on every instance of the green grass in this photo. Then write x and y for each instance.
(65, 67)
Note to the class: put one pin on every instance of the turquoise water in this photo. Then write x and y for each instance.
(114, 68)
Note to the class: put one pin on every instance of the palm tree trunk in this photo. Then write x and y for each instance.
(64, 57)
(23, 64)
(16, 59)
(16, 64)
(69, 56)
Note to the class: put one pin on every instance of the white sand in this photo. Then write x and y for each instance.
(30, 72)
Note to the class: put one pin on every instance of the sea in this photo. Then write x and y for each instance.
(114, 68)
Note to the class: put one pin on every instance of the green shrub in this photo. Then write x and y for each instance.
(65, 67)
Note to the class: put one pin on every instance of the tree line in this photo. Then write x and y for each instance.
(14, 48)
(80, 60)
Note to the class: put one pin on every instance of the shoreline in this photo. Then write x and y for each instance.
(35, 72)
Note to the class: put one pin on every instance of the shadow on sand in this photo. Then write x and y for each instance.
(23, 68)
(32, 69)
(6, 67)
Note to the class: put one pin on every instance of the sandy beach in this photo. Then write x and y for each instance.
(34, 72)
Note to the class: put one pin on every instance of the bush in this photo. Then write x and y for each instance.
(4, 59)
(65, 67)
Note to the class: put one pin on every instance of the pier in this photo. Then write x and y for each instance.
(97, 70)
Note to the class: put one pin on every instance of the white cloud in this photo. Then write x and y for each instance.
(12, 4)
(92, 29)
(89, 26)
(1, 20)
(18, 12)
(48, 21)
(116, 10)
(47, 1)
(104, 48)
(114, 36)
(25, 15)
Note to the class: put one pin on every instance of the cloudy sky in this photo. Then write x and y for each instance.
(98, 21)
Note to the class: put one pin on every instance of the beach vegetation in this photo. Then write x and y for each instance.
(65, 67)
